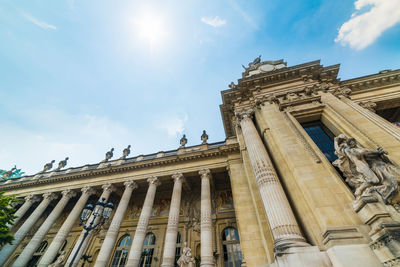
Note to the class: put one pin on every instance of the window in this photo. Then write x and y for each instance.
(37, 255)
(148, 250)
(61, 250)
(121, 253)
(231, 247)
(322, 137)
(178, 248)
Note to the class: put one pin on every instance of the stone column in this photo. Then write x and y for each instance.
(29, 200)
(285, 229)
(107, 189)
(112, 233)
(206, 231)
(140, 233)
(34, 243)
(173, 220)
(63, 232)
(8, 249)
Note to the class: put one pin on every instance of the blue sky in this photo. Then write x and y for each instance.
(79, 77)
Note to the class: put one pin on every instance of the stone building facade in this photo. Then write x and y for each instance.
(288, 187)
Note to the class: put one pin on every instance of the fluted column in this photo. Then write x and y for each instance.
(206, 231)
(8, 249)
(112, 233)
(285, 229)
(140, 233)
(63, 232)
(34, 243)
(107, 189)
(173, 220)
(29, 200)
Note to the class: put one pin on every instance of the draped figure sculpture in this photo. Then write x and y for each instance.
(366, 171)
(186, 259)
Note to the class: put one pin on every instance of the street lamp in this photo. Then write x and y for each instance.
(102, 210)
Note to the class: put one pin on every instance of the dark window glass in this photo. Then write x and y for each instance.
(148, 250)
(322, 137)
(121, 253)
(231, 248)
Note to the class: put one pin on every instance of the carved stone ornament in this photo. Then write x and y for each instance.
(343, 91)
(126, 152)
(371, 106)
(186, 259)
(204, 137)
(48, 166)
(366, 171)
(243, 114)
(109, 155)
(60, 260)
(232, 85)
(62, 164)
(183, 141)
(154, 180)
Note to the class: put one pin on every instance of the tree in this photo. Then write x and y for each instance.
(6, 218)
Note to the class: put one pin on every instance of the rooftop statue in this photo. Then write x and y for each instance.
(254, 63)
(126, 152)
(204, 137)
(183, 141)
(109, 155)
(232, 85)
(62, 164)
(366, 171)
(14, 173)
(48, 166)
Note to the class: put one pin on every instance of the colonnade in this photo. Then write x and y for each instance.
(109, 242)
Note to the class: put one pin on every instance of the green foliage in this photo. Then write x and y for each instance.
(6, 218)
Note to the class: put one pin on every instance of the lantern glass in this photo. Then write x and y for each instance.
(99, 207)
(87, 210)
(107, 210)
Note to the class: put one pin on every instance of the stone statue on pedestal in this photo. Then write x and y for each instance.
(183, 141)
(204, 137)
(48, 166)
(62, 164)
(109, 155)
(366, 171)
(126, 152)
(186, 259)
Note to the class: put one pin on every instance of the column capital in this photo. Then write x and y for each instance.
(88, 190)
(154, 180)
(68, 193)
(50, 196)
(205, 173)
(132, 184)
(245, 113)
(178, 177)
(108, 187)
(32, 198)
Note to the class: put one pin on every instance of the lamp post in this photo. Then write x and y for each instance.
(101, 209)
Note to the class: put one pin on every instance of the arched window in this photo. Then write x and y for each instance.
(148, 250)
(121, 253)
(231, 247)
(178, 248)
(38, 254)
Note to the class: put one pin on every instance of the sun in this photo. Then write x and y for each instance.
(151, 28)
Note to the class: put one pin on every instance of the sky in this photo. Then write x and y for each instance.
(80, 77)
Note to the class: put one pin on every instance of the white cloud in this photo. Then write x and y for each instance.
(214, 22)
(174, 126)
(364, 27)
(39, 23)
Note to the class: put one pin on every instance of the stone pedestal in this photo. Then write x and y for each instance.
(385, 231)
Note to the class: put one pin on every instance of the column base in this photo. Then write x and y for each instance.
(302, 257)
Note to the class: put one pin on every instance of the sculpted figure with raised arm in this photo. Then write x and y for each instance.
(366, 171)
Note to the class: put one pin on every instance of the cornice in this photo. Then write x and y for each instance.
(221, 150)
(270, 82)
(372, 82)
